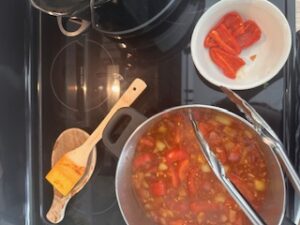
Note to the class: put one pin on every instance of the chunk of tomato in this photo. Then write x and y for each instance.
(158, 188)
(142, 160)
(176, 155)
(235, 153)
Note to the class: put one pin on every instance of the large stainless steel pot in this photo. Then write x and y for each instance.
(272, 211)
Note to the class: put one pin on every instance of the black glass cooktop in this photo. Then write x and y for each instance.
(80, 78)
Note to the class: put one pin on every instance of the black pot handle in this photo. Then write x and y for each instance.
(136, 119)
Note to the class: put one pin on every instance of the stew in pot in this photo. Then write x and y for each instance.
(175, 184)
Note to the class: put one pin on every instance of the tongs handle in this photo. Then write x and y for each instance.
(220, 173)
(287, 166)
(268, 135)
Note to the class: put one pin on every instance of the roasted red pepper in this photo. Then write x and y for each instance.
(248, 34)
(225, 40)
(209, 42)
(233, 21)
(228, 63)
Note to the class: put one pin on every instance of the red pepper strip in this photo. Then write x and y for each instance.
(205, 128)
(191, 182)
(249, 34)
(177, 136)
(225, 40)
(176, 155)
(229, 64)
(174, 177)
(242, 187)
(239, 31)
(177, 222)
(232, 21)
(142, 160)
(158, 188)
(221, 154)
(197, 207)
(147, 141)
(183, 169)
(209, 42)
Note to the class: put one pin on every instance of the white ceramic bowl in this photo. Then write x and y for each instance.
(272, 50)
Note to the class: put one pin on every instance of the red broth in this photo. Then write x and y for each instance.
(175, 184)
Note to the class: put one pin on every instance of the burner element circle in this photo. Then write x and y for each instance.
(80, 75)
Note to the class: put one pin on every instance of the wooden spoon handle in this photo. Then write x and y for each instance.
(57, 210)
(129, 96)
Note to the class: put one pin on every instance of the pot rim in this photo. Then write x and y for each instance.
(222, 110)
(54, 12)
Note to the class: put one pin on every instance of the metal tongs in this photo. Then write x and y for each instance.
(267, 134)
(220, 173)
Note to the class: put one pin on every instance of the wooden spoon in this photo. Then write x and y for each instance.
(69, 169)
(67, 141)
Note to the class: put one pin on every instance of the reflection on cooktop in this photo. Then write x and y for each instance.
(80, 73)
